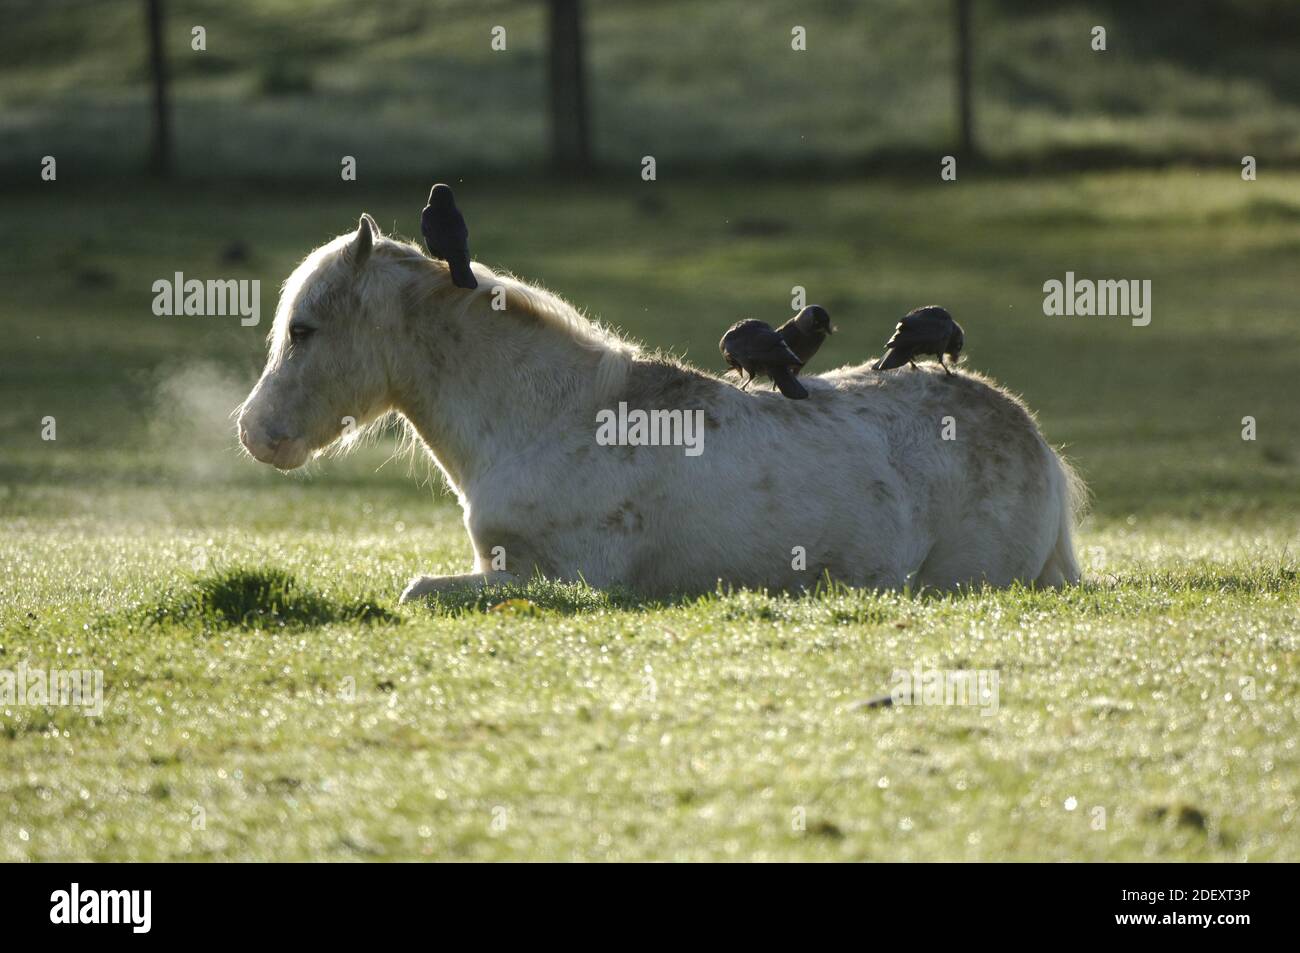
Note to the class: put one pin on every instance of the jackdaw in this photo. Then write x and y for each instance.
(928, 330)
(805, 332)
(752, 347)
(446, 235)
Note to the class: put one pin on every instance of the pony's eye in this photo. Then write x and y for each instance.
(300, 332)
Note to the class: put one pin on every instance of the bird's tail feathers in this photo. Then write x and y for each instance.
(462, 276)
(893, 358)
(788, 384)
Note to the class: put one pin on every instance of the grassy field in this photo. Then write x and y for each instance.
(267, 698)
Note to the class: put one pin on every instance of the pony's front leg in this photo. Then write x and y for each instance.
(430, 585)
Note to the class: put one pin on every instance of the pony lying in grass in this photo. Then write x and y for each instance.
(505, 385)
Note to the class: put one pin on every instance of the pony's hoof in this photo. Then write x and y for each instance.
(419, 587)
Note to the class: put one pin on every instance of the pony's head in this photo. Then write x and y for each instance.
(327, 372)
(367, 325)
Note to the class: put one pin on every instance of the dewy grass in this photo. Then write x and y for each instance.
(1160, 697)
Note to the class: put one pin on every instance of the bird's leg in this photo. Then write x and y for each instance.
(944, 366)
(913, 365)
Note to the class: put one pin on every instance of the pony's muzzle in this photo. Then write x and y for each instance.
(273, 446)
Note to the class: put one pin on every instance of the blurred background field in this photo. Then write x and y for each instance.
(775, 169)
(413, 88)
(1151, 415)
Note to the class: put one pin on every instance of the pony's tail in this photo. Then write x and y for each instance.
(1062, 567)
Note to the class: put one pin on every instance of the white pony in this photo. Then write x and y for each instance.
(879, 479)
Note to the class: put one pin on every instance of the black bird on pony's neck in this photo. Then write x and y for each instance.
(928, 330)
(446, 235)
(805, 332)
(752, 347)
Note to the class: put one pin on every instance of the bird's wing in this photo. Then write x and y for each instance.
(768, 347)
(792, 335)
(428, 229)
(919, 335)
(896, 337)
(444, 227)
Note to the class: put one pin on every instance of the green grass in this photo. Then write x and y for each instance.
(688, 731)
(260, 677)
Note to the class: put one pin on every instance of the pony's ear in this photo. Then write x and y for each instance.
(364, 240)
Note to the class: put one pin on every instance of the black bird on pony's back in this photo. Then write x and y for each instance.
(752, 347)
(928, 330)
(446, 235)
(806, 331)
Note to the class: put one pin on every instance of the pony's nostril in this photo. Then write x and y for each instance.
(261, 440)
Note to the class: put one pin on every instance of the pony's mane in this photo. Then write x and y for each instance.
(430, 279)
(433, 279)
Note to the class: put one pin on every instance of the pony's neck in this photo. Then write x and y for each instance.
(482, 387)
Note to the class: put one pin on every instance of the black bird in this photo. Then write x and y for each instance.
(805, 332)
(928, 330)
(752, 347)
(446, 235)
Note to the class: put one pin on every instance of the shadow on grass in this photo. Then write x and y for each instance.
(272, 598)
(833, 602)
(259, 598)
(541, 596)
